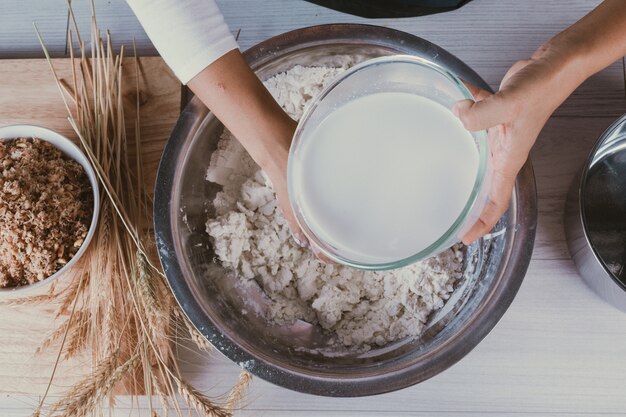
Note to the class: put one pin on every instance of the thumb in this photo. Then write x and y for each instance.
(499, 199)
(483, 114)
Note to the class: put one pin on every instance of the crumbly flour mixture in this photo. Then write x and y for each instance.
(251, 237)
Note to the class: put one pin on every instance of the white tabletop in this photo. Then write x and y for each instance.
(559, 349)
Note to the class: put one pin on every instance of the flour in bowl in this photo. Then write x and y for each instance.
(251, 237)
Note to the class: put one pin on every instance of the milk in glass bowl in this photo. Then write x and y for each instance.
(381, 172)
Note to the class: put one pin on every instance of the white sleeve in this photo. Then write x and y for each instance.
(189, 34)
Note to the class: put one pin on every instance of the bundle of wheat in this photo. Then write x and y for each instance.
(117, 301)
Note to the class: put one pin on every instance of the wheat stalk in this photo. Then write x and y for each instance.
(196, 337)
(78, 282)
(147, 286)
(67, 329)
(84, 396)
(77, 335)
(126, 306)
(199, 340)
(34, 299)
(199, 402)
(110, 332)
(238, 391)
(160, 390)
(37, 410)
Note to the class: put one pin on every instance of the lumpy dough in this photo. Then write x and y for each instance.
(250, 236)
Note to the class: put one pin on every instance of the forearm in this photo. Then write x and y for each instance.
(591, 44)
(236, 96)
(194, 40)
(558, 67)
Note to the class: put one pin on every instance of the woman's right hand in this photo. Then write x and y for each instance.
(274, 164)
(237, 97)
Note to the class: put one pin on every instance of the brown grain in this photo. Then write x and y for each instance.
(46, 205)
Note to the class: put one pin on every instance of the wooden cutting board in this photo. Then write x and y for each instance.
(29, 95)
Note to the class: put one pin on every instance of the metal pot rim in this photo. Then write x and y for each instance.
(582, 184)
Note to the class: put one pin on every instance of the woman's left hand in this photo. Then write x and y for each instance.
(530, 92)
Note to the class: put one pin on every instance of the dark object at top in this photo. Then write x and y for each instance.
(391, 8)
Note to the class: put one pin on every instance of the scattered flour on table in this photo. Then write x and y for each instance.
(251, 237)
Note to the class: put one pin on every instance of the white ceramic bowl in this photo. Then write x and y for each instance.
(72, 151)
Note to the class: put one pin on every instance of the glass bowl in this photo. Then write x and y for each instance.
(397, 74)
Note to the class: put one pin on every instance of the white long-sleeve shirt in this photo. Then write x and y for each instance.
(189, 34)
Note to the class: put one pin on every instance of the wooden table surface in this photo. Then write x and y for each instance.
(559, 350)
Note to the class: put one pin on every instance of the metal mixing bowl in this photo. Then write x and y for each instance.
(291, 356)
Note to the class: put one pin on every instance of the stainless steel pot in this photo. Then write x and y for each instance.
(296, 356)
(595, 217)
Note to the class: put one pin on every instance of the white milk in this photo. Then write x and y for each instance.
(386, 175)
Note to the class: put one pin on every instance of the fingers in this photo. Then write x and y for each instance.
(299, 237)
(296, 233)
(483, 114)
(478, 114)
(488, 219)
(320, 255)
(499, 199)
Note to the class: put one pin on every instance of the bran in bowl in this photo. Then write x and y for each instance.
(46, 204)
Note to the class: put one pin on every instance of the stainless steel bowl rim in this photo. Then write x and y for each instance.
(491, 308)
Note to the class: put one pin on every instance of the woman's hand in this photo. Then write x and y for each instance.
(514, 116)
(239, 100)
(275, 166)
(530, 92)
